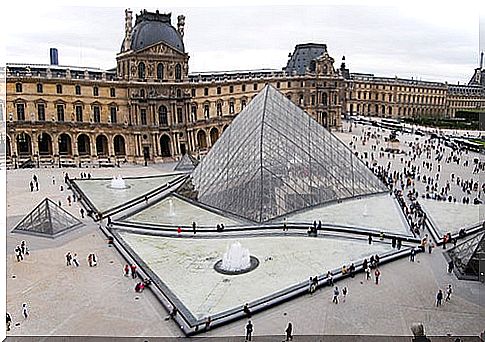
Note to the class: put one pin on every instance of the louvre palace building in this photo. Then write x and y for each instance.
(151, 109)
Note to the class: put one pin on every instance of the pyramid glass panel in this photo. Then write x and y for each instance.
(47, 219)
(186, 163)
(274, 159)
(466, 255)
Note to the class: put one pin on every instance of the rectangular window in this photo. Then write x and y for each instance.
(243, 104)
(192, 91)
(289, 85)
(112, 92)
(41, 112)
(143, 116)
(60, 112)
(206, 111)
(97, 114)
(243, 87)
(231, 89)
(313, 100)
(194, 113)
(18, 87)
(206, 91)
(20, 112)
(231, 107)
(78, 90)
(278, 85)
(79, 113)
(219, 91)
(95, 91)
(255, 86)
(180, 117)
(40, 88)
(59, 88)
(113, 114)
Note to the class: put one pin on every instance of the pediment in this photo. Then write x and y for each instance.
(161, 49)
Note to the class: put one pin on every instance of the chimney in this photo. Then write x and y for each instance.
(481, 60)
(128, 29)
(54, 57)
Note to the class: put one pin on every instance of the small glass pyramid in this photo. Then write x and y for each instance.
(47, 219)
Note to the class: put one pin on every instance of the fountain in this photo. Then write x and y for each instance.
(118, 183)
(171, 212)
(236, 260)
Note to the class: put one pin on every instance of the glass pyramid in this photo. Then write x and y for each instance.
(275, 159)
(466, 255)
(47, 219)
(186, 163)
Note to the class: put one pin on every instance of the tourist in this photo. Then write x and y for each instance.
(285, 228)
(430, 247)
(18, 253)
(451, 266)
(246, 310)
(173, 313)
(59, 203)
(31, 186)
(367, 273)
(54, 180)
(90, 260)
(376, 258)
(179, 231)
(289, 332)
(365, 264)
(352, 270)
(439, 297)
(9, 321)
(94, 260)
(218, 227)
(377, 274)
(82, 212)
(449, 291)
(25, 311)
(335, 295)
(133, 271)
(23, 247)
(399, 244)
(330, 278)
(36, 186)
(344, 293)
(344, 269)
(127, 270)
(194, 227)
(68, 259)
(138, 287)
(249, 331)
(412, 255)
(74, 260)
(34, 177)
(208, 323)
(222, 227)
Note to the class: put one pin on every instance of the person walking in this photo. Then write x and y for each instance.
(36, 186)
(31, 186)
(449, 291)
(439, 297)
(127, 270)
(335, 295)
(74, 260)
(249, 331)
(9, 321)
(194, 227)
(82, 212)
(133, 271)
(412, 255)
(367, 273)
(289, 332)
(18, 253)
(377, 274)
(430, 247)
(451, 266)
(68, 259)
(344, 293)
(25, 311)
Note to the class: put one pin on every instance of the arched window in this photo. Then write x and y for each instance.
(219, 108)
(162, 116)
(141, 70)
(324, 99)
(160, 71)
(178, 72)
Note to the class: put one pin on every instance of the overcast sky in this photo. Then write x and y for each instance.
(417, 40)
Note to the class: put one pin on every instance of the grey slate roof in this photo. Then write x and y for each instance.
(302, 56)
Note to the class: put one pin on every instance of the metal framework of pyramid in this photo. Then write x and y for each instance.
(466, 256)
(275, 159)
(47, 219)
(186, 163)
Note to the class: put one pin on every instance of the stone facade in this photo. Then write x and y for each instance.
(150, 108)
